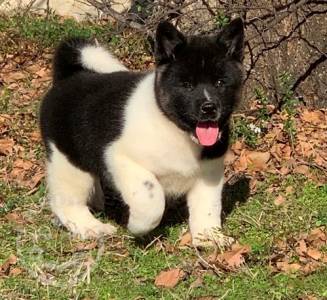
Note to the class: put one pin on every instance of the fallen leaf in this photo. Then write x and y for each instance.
(301, 249)
(85, 246)
(230, 157)
(6, 146)
(16, 218)
(237, 147)
(197, 283)
(170, 278)
(42, 72)
(15, 271)
(242, 163)
(302, 169)
(234, 258)
(314, 117)
(315, 234)
(35, 180)
(310, 267)
(287, 267)
(257, 161)
(14, 76)
(314, 253)
(11, 260)
(186, 239)
(279, 200)
(289, 190)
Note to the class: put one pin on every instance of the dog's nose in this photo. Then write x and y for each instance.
(208, 108)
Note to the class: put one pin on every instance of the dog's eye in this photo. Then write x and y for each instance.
(188, 85)
(219, 83)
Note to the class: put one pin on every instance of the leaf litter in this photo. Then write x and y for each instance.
(21, 165)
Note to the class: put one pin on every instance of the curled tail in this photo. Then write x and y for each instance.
(77, 54)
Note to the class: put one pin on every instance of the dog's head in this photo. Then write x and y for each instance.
(199, 78)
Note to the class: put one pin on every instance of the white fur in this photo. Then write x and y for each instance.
(98, 59)
(152, 158)
(69, 190)
(207, 95)
(168, 158)
(204, 199)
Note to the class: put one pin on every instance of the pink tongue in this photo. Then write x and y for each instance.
(207, 133)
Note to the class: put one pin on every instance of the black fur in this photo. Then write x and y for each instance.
(83, 111)
(67, 58)
(187, 66)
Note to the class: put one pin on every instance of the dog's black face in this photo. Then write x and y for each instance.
(199, 79)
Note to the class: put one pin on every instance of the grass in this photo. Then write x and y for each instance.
(121, 268)
(55, 267)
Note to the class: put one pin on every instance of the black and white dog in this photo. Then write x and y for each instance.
(151, 136)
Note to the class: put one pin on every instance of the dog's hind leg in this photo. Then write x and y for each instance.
(69, 190)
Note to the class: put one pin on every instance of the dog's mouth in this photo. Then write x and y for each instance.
(207, 133)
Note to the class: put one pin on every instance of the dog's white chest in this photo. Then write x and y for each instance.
(156, 144)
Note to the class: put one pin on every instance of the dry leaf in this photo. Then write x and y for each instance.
(314, 253)
(301, 249)
(186, 239)
(230, 157)
(6, 146)
(237, 146)
(42, 72)
(287, 267)
(35, 180)
(257, 161)
(11, 260)
(170, 278)
(289, 190)
(15, 271)
(317, 234)
(314, 117)
(197, 283)
(310, 267)
(16, 218)
(234, 258)
(302, 169)
(279, 200)
(85, 246)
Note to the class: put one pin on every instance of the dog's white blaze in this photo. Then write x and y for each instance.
(207, 95)
(98, 59)
(69, 190)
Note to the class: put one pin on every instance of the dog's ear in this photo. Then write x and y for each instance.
(232, 36)
(168, 42)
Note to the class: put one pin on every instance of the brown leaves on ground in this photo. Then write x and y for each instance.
(185, 240)
(8, 269)
(26, 173)
(170, 278)
(6, 146)
(275, 153)
(231, 260)
(252, 161)
(24, 76)
(303, 253)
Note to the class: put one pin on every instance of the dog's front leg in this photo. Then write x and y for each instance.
(205, 203)
(140, 190)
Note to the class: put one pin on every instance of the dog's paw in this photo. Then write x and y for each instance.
(212, 237)
(93, 229)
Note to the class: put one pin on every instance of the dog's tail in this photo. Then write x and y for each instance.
(77, 54)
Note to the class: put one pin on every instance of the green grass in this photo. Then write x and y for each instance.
(124, 268)
(49, 31)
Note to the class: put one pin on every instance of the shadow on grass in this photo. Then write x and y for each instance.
(235, 192)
